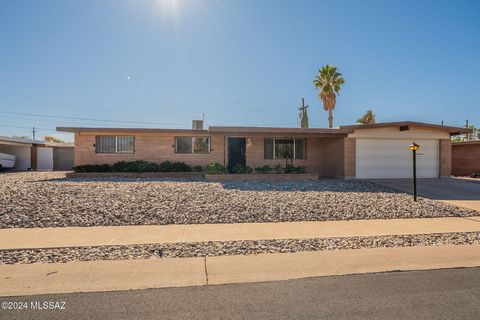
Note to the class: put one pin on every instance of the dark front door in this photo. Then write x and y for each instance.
(236, 152)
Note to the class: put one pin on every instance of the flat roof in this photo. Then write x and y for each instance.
(341, 130)
(21, 140)
(450, 129)
(159, 130)
(222, 129)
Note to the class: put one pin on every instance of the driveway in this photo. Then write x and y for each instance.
(456, 191)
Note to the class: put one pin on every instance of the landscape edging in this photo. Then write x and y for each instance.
(261, 177)
(134, 175)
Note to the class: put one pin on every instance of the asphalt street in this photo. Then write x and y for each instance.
(435, 294)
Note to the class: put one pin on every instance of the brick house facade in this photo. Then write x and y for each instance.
(341, 152)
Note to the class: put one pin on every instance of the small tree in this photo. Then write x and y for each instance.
(51, 139)
(367, 118)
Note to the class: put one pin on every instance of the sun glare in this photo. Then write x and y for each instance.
(168, 7)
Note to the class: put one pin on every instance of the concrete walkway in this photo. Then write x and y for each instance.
(18, 238)
(91, 276)
(460, 192)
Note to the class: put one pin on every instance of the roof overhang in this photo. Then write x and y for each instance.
(131, 130)
(406, 125)
(276, 131)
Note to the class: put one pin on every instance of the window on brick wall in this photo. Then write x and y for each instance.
(115, 144)
(192, 144)
(282, 148)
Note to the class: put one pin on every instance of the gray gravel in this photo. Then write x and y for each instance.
(201, 249)
(47, 199)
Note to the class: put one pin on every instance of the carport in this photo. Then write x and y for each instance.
(21, 149)
(29, 154)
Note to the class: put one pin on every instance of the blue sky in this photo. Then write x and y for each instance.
(162, 63)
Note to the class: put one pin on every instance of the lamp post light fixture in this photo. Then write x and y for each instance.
(414, 147)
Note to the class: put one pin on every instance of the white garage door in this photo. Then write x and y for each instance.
(386, 158)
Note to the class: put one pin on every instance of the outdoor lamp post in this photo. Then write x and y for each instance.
(414, 147)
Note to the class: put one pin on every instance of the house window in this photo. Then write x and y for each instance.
(282, 148)
(192, 145)
(115, 144)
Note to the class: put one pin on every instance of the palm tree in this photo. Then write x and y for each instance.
(367, 118)
(328, 81)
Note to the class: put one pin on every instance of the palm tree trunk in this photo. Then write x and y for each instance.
(330, 119)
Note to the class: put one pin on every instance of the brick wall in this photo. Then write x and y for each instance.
(465, 158)
(445, 158)
(148, 147)
(324, 155)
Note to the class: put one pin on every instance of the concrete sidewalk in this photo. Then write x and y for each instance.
(18, 238)
(91, 276)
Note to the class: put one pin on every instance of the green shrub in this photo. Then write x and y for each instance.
(136, 166)
(197, 169)
(264, 169)
(278, 168)
(241, 169)
(93, 168)
(181, 167)
(215, 168)
(166, 166)
(292, 169)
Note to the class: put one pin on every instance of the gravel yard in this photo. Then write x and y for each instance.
(47, 199)
(202, 249)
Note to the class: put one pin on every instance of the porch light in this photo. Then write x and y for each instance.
(414, 147)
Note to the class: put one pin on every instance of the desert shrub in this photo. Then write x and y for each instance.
(166, 166)
(93, 168)
(197, 169)
(239, 169)
(292, 169)
(120, 166)
(264, 169)
(181, 167)
(135, 166)
(215, 168)
(278, 168)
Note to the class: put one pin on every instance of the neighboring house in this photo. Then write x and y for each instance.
(359, 151)
(38, 155)
(465, 157)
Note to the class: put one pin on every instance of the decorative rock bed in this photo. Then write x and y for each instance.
(261, 177)
(201, 249)
(48, 199)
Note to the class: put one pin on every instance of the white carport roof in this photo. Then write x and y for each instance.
(20, 141)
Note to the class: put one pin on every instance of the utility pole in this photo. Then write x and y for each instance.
(468, 135)
(303, 115)
(33, 133)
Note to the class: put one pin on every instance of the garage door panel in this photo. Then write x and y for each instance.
(382, 158)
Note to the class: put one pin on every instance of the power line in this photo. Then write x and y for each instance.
(86, 119)
(251, 102)
(20, 127)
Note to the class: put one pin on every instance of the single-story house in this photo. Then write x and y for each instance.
(465, 157)
(357, 151)
(38, 155)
